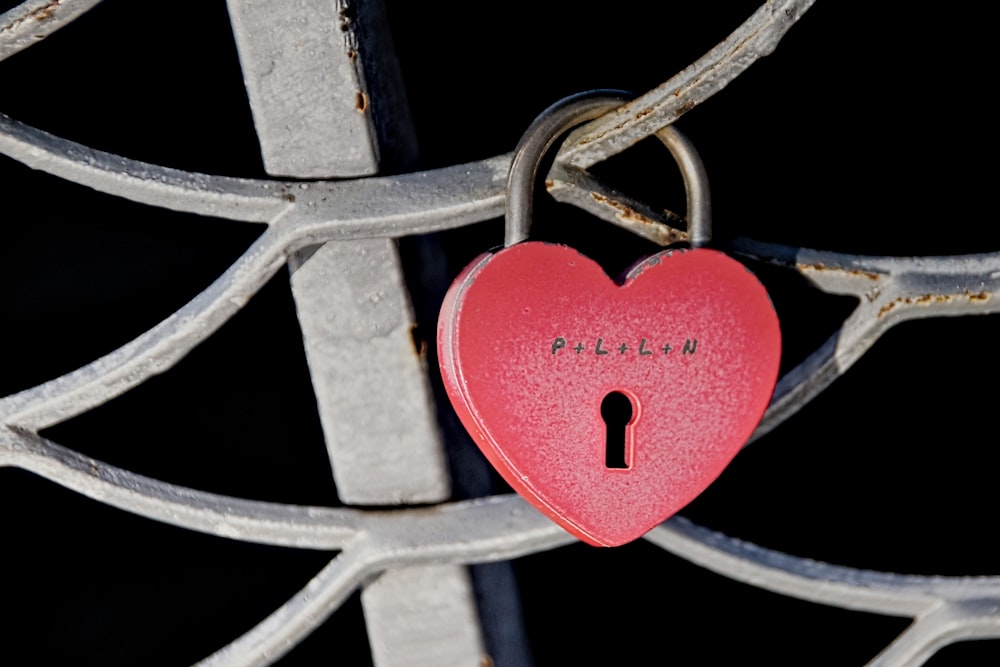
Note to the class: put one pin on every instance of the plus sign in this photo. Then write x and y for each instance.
(579, 348)
(622, 348)
(667, 348)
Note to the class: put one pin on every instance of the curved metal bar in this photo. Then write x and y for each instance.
(391, 206)
(388, 206)
(495, 528)
(216, 196)
(485, 529)
(34, 20)
(813, 581)
(890, 290)
(280, 632)
(474, 531)
(214, 514)
(616, 131)
(918, 642)
(395, 206)
(320, 211)
(154, 351)
(943, 625)
(489, 529)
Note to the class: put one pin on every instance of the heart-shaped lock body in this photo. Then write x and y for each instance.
(535, 337)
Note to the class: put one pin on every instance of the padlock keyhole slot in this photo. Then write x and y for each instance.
(617, 412)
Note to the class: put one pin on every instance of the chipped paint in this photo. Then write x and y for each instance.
(40, 14)
(979, 297)
(819, 267)
(46, 11)
(932, 299)
(873, 294)
(629, 215)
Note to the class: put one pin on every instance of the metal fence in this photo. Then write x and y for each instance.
(201, 397)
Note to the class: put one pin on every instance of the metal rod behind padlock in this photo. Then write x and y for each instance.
(576, 110)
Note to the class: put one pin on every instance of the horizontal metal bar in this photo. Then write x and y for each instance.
(473, 531)
(216, 196)
(814, 581)
(214, 514)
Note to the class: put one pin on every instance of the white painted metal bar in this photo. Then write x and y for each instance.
(305, 75)
(369, 378)
(305, 81)
(402, 601)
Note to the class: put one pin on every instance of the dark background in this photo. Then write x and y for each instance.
(867, 131)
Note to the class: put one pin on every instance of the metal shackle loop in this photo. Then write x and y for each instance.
(576, 110)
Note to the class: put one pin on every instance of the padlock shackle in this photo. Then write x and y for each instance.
(576, 110)
(699, 197)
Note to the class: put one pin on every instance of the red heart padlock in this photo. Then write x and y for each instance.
(535, 338)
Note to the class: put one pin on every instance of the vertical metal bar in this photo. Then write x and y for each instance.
(420, 623)
(312, 68)
(369, 378)
(306, 87)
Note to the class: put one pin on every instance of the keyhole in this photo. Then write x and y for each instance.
(616, 410)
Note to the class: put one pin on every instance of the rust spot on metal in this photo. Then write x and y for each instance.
(288, 197)
(930, 299)
(687, 106)
(347, 15)
(549, 184)
(619, 126)
(886, 308)
(625, 213)
(486, 661)
(352, 54)
(922, 300)
(46, 11)
(820, 267)
(42, 13)
(361, 101)
(864, 274)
